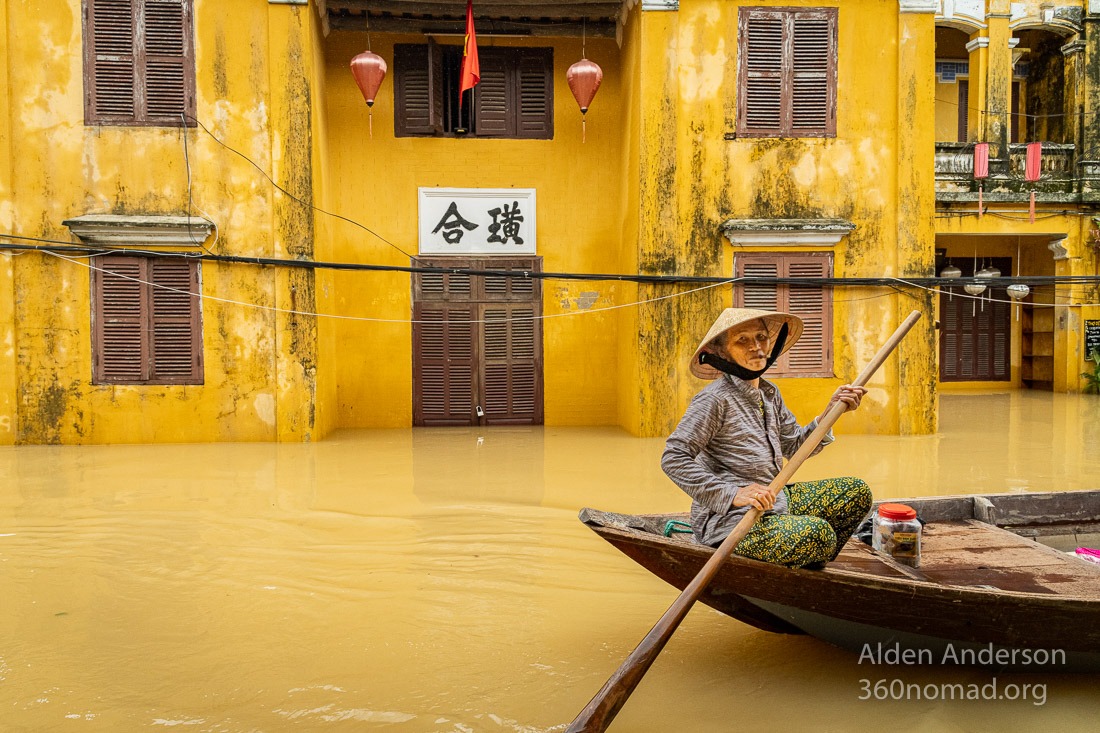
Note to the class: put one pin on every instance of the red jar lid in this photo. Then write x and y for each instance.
(897, 511)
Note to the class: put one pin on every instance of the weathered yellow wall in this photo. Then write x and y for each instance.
(67, 169)
(693, 179)
(626, 375)
(8, 374)
(327, 412)
(375, 181)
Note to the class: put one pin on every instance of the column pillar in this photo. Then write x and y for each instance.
(1088, 91)
(998, 95)
(291, 53)
(915, 358)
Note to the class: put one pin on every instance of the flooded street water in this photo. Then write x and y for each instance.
(438, 580)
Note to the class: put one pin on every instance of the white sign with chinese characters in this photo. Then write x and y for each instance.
(495, 221)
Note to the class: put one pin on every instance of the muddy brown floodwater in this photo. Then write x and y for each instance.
(438, 580)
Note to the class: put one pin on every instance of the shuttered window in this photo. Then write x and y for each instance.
(139, 62)
(514, 98)
(477, 343)
(787, 72)
(974, 332)
(146, 324)
(812, 355)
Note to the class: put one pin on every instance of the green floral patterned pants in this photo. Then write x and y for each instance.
(821, 516)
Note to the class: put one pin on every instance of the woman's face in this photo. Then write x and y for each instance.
(747, 345)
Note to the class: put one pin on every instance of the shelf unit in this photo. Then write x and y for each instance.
(1037, 347)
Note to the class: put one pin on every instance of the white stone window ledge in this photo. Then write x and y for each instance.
(113, 231)
(786, 232)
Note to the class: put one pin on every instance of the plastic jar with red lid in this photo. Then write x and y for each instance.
(897, 533)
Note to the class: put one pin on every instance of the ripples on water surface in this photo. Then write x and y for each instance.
(438, 580)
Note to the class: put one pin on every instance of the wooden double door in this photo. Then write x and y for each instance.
(477, 343)
(975, 333)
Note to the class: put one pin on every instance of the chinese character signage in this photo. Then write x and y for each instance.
(498, 221)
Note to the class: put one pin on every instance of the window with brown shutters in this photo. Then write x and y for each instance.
(514, 98)
(812, 354)
(477, 344)
(974, 332)
(787, 72)
(139, 62)
(146, 321)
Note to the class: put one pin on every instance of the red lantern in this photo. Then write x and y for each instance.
(584, 79)
(369, 69)
(1032, 167)
(981, 170)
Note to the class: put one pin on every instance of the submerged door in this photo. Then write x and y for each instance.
(974, 332)
(477, 344)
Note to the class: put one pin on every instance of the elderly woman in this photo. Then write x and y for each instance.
(734, 437)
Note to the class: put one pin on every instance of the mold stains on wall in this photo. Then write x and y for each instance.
(48, 412)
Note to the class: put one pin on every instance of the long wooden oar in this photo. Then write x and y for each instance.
(603, 708)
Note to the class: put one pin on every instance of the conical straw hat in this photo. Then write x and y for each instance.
(734, 317)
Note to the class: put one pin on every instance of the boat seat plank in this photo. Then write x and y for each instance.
(972, 553)
(858, 557)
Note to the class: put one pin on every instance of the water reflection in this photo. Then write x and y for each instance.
(437, 580)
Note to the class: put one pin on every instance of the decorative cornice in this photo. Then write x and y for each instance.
(979, 42)
(785, 232)
(918, 6)
(146, 232)
(288, 2)
(1073, 47)
(660, 4)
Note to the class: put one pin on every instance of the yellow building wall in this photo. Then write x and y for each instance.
(628, 385)
(693, 178)
(245, 52)
(8, 374)
(374, 180)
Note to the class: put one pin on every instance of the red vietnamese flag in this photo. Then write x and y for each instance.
(471, 67)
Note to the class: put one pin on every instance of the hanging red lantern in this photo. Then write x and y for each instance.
(981, 171)
(369, 69)
(1032, 168)
(584, 79)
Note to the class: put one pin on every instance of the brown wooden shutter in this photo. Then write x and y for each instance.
(760, 103)
(418, 89)
(109, 60)
(536, 93)
(144, 334)
(169, 66)
(495, 95)
(119, 305)
(813, 71)
(444, 359)
(964, 109)
(510, 373)
(812, 355)
(974, 333)
(787, 72)
(177, 332)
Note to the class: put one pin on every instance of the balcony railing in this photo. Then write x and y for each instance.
(955, 174)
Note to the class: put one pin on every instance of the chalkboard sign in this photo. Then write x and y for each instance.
(1092, 338)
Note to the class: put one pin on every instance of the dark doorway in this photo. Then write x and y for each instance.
(975, 332)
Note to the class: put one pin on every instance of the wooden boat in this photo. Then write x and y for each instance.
(995, 587)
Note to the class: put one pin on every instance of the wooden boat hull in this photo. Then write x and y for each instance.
(1052, 608)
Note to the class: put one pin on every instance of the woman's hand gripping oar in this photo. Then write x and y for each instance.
(601, 710)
